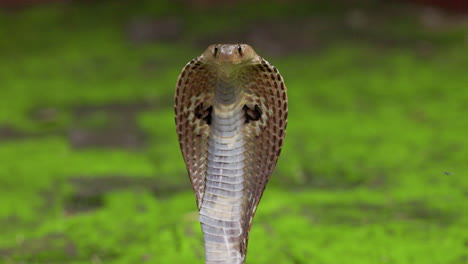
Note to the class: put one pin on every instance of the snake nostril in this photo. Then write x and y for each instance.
(215, 51)
(239, 49)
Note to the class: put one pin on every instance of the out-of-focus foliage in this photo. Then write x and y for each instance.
(373, 168)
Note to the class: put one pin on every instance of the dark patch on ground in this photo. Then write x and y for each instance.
(366, 213)
(82, 203)
(113, 137)
(111, 125)
(141, 31)
(45, 118)
(54, 246)
(339, 177)
(342, 179)
(118, 108)
(45, 114)
(10, 133)
(338, 180)
(420, 210)
(89, 191)
(114, 125)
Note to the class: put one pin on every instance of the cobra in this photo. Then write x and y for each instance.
(231, 111)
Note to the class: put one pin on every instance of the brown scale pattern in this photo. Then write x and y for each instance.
(194, 89)
(262, 86)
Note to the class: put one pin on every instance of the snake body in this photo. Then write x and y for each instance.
(231, 115)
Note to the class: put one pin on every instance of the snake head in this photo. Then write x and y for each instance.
(229, 54)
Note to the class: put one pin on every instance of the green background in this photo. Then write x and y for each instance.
(374, 165)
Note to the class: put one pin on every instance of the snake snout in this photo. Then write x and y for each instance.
(229, 53)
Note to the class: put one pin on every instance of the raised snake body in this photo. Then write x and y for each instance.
(231, 114)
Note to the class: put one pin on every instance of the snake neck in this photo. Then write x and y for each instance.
(221, 209)
(227, 91)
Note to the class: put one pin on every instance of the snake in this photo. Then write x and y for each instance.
(231, 111)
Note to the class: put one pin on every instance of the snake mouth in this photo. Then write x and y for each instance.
(229, 59)
(229, 54)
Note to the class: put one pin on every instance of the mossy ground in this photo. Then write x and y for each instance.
(373, 169)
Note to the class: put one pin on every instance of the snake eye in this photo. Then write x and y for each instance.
(239, 49)
(215, 51)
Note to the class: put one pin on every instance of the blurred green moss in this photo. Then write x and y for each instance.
(372, 171)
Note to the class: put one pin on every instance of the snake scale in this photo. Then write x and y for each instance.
(231, 111)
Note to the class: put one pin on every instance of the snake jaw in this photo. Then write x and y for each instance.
(229, 58)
